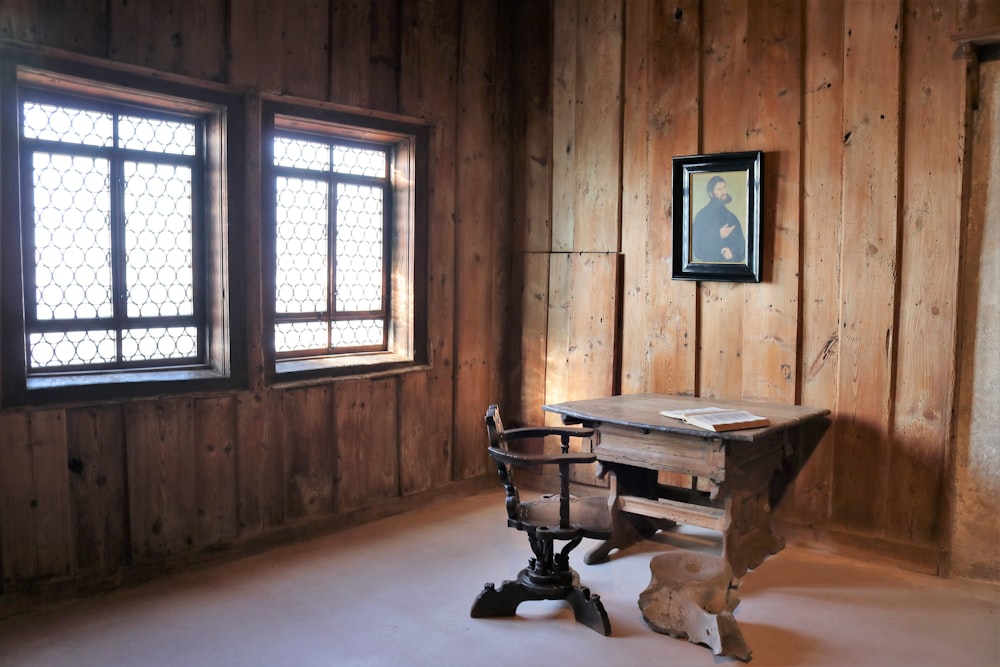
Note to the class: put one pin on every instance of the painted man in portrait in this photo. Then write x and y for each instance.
(717, 232)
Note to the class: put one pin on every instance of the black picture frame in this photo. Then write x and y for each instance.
(701, 253)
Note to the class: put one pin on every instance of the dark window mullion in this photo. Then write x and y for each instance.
(331, 264)
(119, 287)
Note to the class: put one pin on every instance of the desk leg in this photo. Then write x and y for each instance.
(749, 536)
(627, 528)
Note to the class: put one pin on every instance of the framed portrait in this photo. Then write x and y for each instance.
(716, 219)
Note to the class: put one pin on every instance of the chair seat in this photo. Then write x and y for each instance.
(590, 515)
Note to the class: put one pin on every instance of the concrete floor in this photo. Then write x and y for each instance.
(398, 592)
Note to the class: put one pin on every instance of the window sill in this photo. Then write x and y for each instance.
(340, 366)
(109, 386)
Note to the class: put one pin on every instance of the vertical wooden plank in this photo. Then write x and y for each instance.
(367, 456)
(429, 89)
(927, 298)
(17, 518)
(533, 272)
(771, 308)
(350, 51)
(582, 317)
(255, 40)
(661, 121)
(564, 112)
(871, 210)
(260, 461)
(724, 125)
(171, 36)
(281, 46)
(310, 443)
(477, 343)
(597, 170)
(161, 477)
(215, 470)
(582, 323)
(821, 235)
(532, 127)
(50, 503)
(364, 53)
(305, 48)
(80, 27)
(384, 65)
(95, 444)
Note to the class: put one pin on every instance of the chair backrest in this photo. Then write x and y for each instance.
(494, 429)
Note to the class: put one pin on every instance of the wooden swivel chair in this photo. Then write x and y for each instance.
(546, 520)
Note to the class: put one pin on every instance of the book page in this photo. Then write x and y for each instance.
(732, 420)
(681, 414)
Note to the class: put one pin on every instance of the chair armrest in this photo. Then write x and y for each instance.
(542, 431)
(517, 459)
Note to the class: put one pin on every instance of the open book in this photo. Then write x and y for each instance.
(717, 419)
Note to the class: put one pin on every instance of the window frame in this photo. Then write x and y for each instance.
(405, 273)
(222, 111)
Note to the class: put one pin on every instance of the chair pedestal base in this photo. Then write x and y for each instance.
(587, 608)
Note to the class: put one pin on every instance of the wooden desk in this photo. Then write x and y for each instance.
(736, 476)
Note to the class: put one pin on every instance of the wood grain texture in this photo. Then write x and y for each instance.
(771, 309)
(170, 35)
(869, 262)
(478, 307)
(81, 27)
(310, 445)
(429, 89)
(582, 321)
(661, 121)
(531, 128)
(159, 443)
(216, 497)
(95, 446)
(822, 219)
(260, 461)
(367, 456)
(17, 516)
(726, 85)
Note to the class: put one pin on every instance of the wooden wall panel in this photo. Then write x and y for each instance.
(260, 461)
(582, 331)
(367, 423)
(160, 454)
(50, 501)
(256, 44)
(822, 160)
(17, 516)
(80, 27)
(928, 277)
(95, 444)
(363, 53)
(564, 119)
(592, 100)
(429, 89)
(531, 128)
(532, 279)
(310, 445)
(724, 121)
(281, 46)
(479, 235)
(170, 35)
(661, 121)
(215, 470)
(771, 309)
(869, 264)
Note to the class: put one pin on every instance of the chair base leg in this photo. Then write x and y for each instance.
(587, 608)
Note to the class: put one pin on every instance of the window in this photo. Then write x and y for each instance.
(120, 270)
(344, 225)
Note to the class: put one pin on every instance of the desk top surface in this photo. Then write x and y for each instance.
(643, 411)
